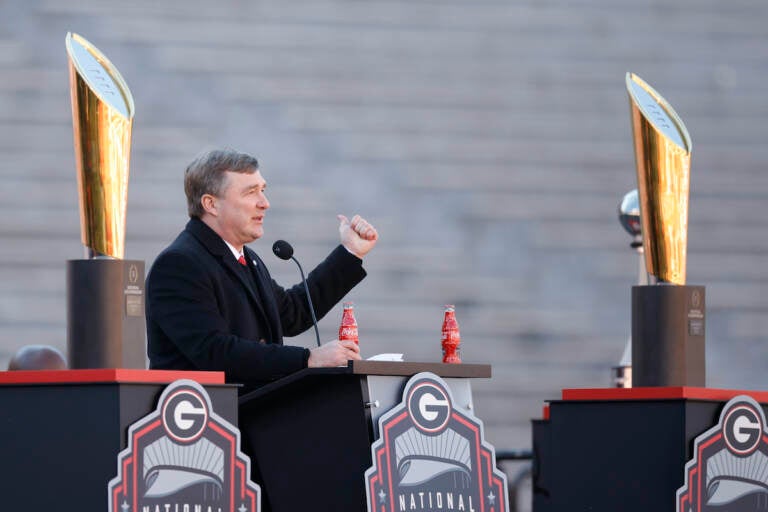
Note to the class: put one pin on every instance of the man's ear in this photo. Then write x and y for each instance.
(209, 204)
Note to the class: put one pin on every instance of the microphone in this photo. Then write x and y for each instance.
(284, 251)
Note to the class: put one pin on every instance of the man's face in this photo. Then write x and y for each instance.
(241, 207)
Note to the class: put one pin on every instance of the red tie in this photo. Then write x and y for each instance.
(241, 260)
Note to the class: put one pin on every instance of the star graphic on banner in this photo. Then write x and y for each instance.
(125, 506)
(491, 498)
(382, 496)
(242, 508)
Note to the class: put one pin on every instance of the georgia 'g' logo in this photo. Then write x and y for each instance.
(432, 456)
(741, 428)
(183, 457)
(185, 415)
(429, 406)
(729, 469)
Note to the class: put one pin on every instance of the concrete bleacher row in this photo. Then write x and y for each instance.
(490, 144)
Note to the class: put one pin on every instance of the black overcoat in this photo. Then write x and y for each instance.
(205, 311)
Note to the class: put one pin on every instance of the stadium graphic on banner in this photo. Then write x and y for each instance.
(183, 457)
(729, 470)
(432, 456)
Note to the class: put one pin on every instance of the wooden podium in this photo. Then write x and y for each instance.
(621, 449)
(62, 430)
(309, 435)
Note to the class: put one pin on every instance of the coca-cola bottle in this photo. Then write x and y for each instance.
(348, 327)
(451, 338)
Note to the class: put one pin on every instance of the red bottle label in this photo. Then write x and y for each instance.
(348, 333)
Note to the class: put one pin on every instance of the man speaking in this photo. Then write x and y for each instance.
(211, 303)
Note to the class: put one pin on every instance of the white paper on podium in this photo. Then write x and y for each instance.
(386, 357)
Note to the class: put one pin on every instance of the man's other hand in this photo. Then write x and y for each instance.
(357, 235)
(333, 353)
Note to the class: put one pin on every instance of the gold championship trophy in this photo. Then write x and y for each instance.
(667, 315)
(105, 293)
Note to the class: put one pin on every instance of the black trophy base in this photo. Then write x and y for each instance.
(105, 314)
(668, 336)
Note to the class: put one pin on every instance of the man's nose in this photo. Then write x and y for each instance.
(263, 202)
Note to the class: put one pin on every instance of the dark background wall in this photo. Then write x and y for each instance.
(489, 141)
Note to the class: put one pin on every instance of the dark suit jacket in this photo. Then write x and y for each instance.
(205, 312)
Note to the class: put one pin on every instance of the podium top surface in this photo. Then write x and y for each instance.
(107, 375)
(659, 393)
(406, 369)
(384, 368)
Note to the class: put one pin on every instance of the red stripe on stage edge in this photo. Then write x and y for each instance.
(387, 450)
(661, 393)
(226, 434)
(478, 447)
(122, 375)
(241, 469)
(699, 458)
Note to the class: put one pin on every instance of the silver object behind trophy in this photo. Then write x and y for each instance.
(629, 217)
